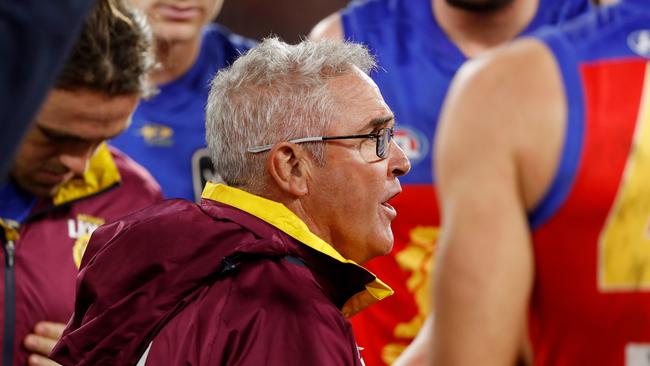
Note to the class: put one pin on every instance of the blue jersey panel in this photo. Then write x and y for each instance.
(167, 133)
(15, 204)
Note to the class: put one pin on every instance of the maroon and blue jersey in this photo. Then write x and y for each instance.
(417, 62)
(167, 132)
(44, 239)
(591, 300)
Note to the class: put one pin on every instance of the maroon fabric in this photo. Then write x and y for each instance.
(159, 274)
(44, 268)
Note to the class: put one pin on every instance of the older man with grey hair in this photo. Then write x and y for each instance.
(264, 270)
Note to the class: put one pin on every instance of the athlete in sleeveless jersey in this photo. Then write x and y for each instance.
(574, 156)
(591, 304)
(417, 63)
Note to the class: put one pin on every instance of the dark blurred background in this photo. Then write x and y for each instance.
(289, 19)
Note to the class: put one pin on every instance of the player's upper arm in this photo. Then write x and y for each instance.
(328, 28)
(490, 124)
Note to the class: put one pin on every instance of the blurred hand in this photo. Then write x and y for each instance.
(42, 341)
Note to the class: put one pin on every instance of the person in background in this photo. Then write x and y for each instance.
(555, 237)
(167, 134)
(419, 45)
(65, 181)
(265, 269)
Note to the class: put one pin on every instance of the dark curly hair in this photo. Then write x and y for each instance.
(113, 54)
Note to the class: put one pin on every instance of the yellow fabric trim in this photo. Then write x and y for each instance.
(284, 219)
(102, 174)
(11, 229)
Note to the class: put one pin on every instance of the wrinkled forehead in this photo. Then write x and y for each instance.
(353, 85)
(358, 103)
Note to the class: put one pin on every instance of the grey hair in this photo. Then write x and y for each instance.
(273, 93)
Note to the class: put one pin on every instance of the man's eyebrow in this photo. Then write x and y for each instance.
(52, 133)
(378, 122)
(61, 135)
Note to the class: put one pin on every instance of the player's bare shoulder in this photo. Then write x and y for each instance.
(514, 96)
(513, 72)
(329, 28)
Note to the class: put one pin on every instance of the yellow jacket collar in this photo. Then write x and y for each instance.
(284, 219)
(102, 174)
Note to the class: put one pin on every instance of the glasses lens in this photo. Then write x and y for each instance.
(383, 142)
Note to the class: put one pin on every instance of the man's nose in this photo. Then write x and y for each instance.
(77, 161)
(399, 163)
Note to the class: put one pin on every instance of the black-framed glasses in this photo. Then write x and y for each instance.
(382, 139)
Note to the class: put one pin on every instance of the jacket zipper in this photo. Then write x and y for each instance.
(10, 305)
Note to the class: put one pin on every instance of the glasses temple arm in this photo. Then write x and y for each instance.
(259, 149)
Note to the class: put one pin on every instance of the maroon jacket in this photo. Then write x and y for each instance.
(39, 279)
(215, 285)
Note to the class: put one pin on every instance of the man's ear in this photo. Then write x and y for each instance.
(288, 165)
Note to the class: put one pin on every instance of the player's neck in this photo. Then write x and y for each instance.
(475, 33)
(175, 59)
